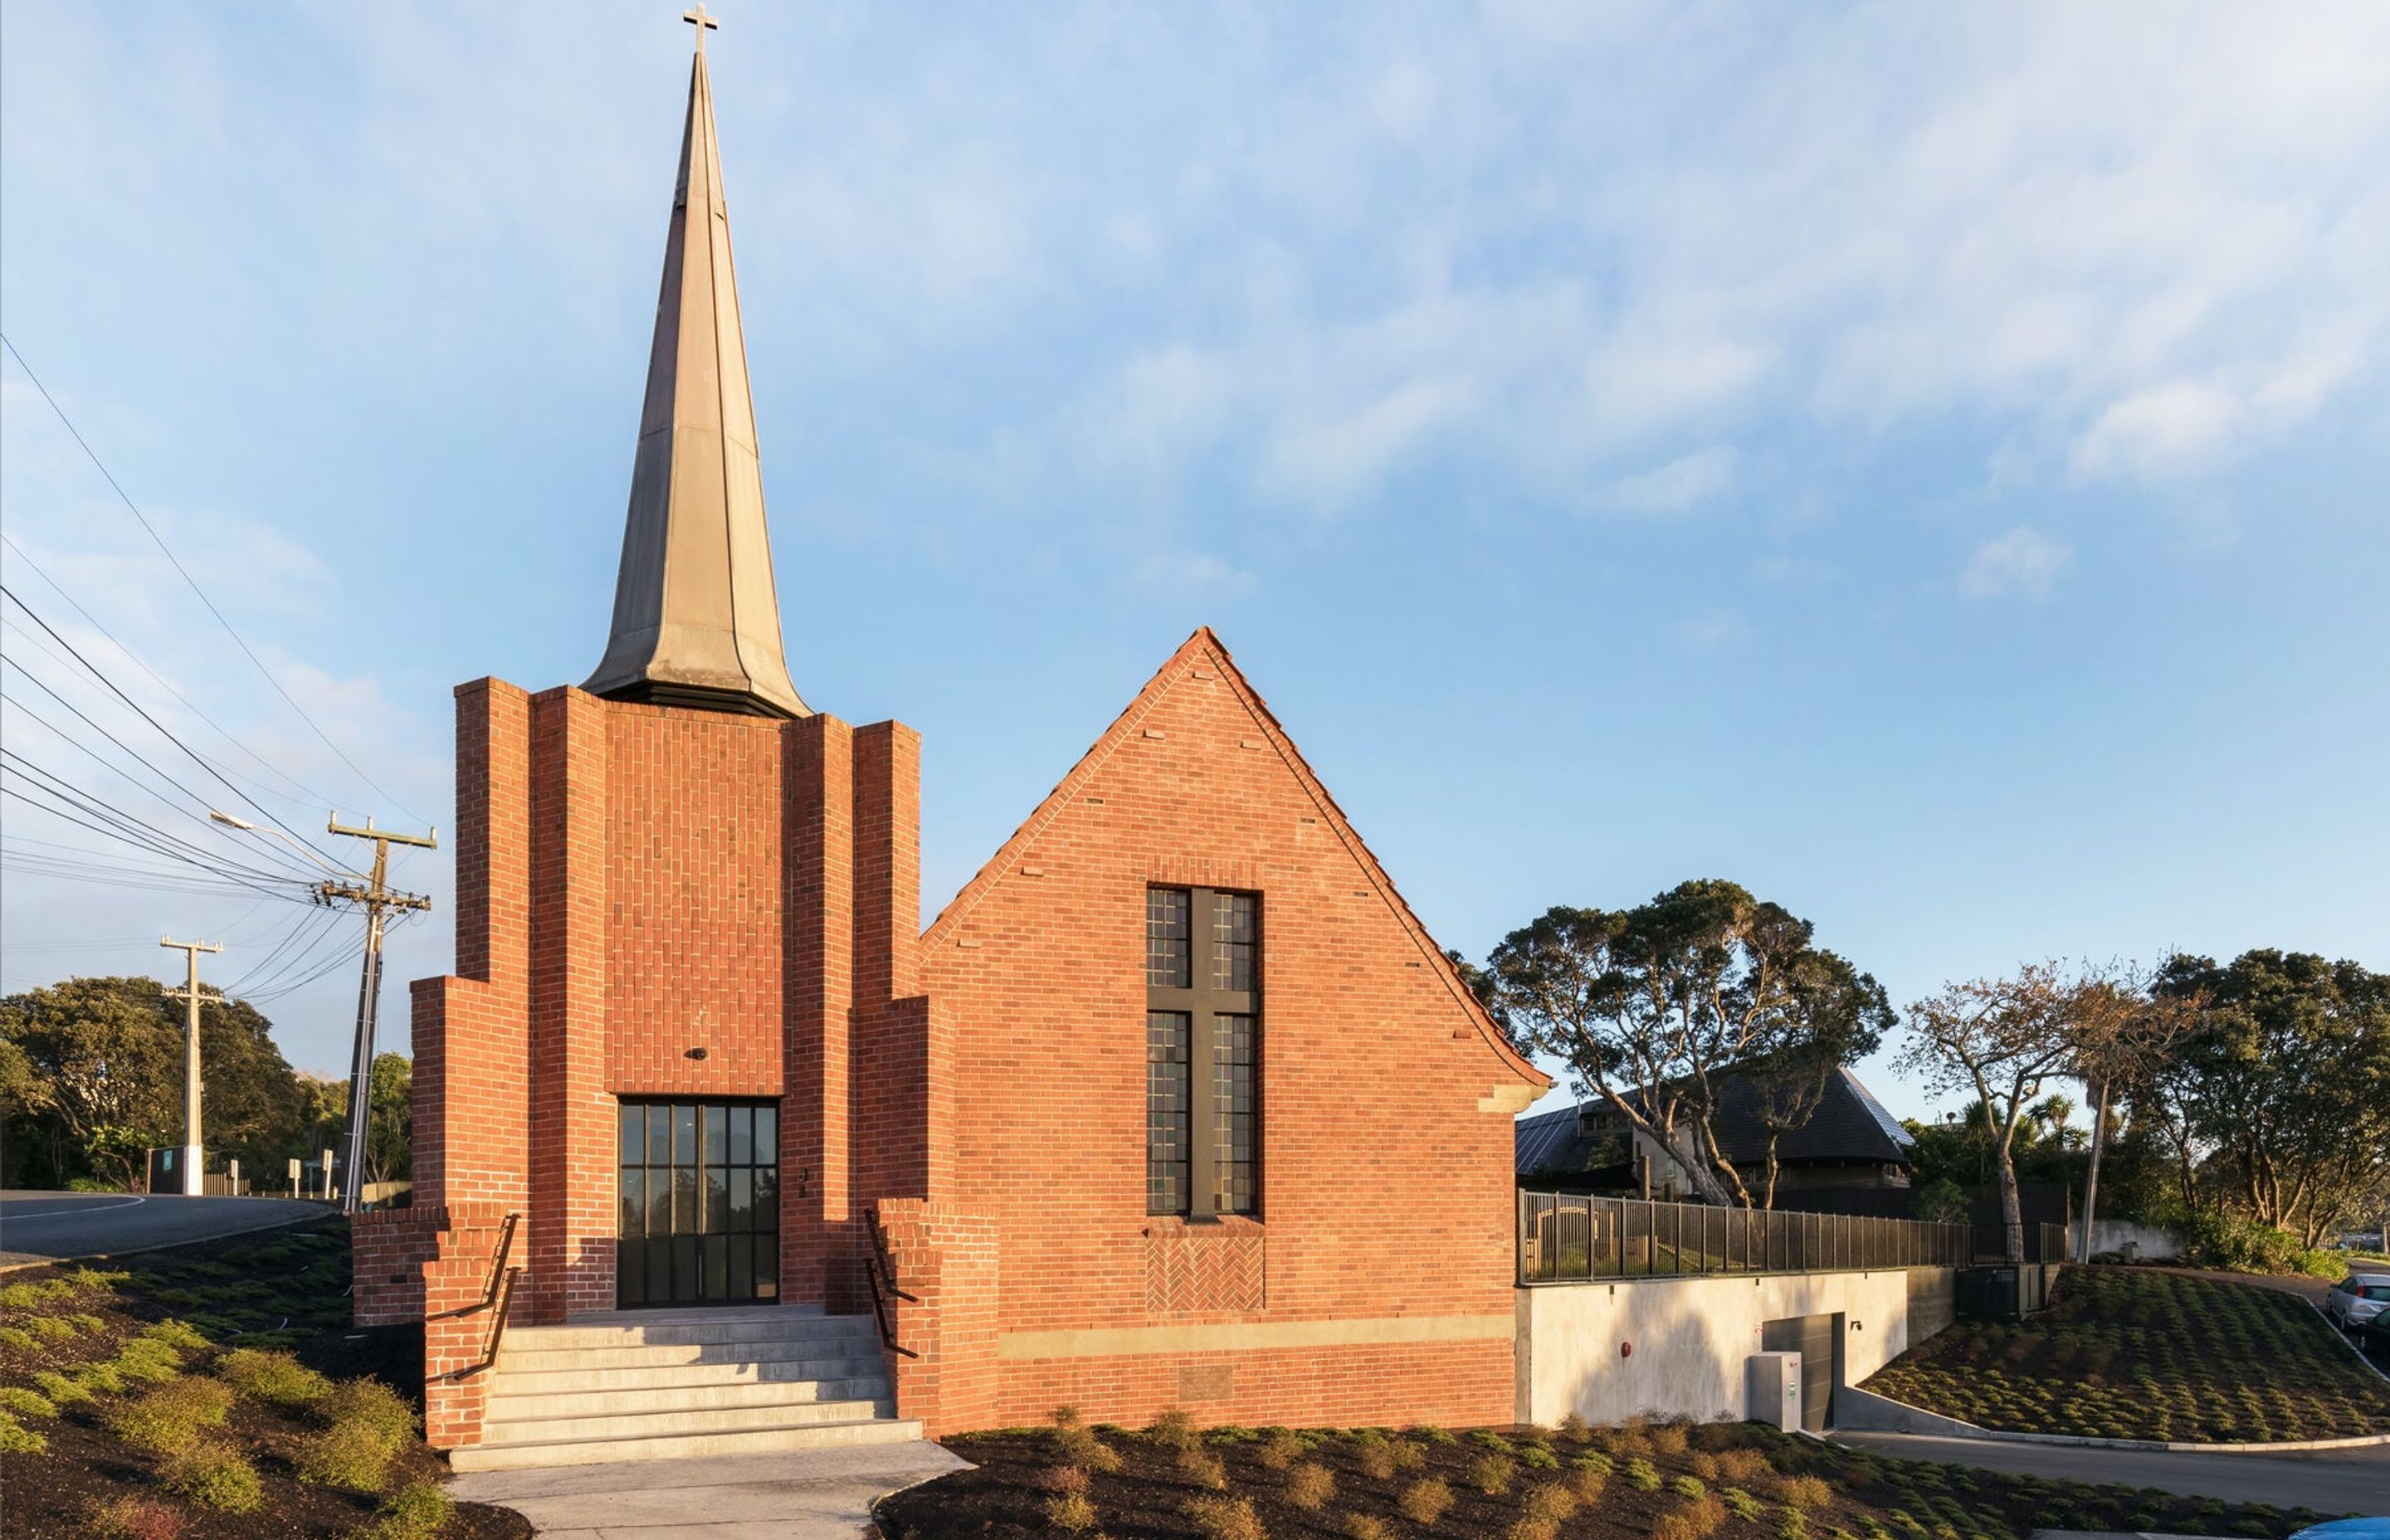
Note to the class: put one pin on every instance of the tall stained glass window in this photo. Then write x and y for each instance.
(1202, 1035)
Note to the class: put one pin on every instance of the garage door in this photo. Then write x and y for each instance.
(1818, 1341)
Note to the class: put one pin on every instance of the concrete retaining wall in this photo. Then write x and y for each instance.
(1689, 1337)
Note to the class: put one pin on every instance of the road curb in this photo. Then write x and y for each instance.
(1939, 1424)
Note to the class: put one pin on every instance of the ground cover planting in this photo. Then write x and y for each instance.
(212, 1392)
(2127, 1354)
(1731, 1481)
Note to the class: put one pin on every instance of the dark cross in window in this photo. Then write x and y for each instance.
(1202, 963)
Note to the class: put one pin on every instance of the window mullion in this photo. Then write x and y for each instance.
(1203, 1161)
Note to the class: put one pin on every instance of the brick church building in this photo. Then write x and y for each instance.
(1175, 1104)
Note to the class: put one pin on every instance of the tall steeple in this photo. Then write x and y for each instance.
(697, 622)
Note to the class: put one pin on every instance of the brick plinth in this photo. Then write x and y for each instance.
(458, 1320)
(388, 1250)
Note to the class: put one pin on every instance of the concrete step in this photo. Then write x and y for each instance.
(625, 1420)
(774, 1327)
(508, 1403)
(758, 1441)
(534, 1360)
(829, 1373)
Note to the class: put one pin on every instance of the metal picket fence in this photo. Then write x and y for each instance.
(1569, 1238)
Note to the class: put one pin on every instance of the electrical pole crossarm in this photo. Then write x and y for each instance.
(428, 840)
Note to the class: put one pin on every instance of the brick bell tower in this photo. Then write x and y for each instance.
(688, 915)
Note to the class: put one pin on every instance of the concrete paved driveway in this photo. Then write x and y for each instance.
(2335, 1482)
(58, 1226)
(804, 1494)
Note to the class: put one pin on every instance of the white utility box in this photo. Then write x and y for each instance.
(1775, 1382)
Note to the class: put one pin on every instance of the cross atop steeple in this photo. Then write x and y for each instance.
(702, 22)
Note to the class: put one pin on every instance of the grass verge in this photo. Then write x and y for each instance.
(216, 1392)
(1733, 1482)
(2124, 1353)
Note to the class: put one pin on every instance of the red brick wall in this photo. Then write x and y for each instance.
(386, 1250)
(694, 889)
(1386, 1099)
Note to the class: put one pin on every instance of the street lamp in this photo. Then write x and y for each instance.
(308, 851)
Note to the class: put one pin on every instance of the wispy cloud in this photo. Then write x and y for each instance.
(2021, 562)
(1676, 486)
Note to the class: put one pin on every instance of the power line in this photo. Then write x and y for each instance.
(163, 730)
(243, 645)
(115, 823)
(298, 790)
(197, 801)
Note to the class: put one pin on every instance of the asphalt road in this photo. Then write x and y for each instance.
(2335, 1482)
(51, 1227)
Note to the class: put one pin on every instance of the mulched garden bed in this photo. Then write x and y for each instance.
(1734, 1481)
(2148, 1356)
(81, 1347)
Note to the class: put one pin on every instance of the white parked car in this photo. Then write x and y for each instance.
(2357, 1299)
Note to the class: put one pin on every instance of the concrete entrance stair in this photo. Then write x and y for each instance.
(640, 1385)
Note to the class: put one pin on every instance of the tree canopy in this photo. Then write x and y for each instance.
(2276, 1100)
(1652, 1008)
(91, 1078)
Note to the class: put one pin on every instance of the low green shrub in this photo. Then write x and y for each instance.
(1223, 1518)
(98, 1376)
(169, 1419)
(1491, 1474)
(55, 1329)
(58, 1389)
(33, 1293)
(419, 1511)
(19, 1338)
(18, 1402)
(1642, 1475)
(1424, 1502)
(176, 1334)
(147, 1359)
(275, 1377)
(214, 1476)
(18, 1439)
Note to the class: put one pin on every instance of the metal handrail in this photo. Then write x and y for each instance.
(874, 1262)
(497, 1265)
(499, 1297)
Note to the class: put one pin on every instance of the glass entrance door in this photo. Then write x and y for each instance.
(700, 1203)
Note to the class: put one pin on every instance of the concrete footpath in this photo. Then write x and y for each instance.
(803, 1494)
(58, 1227)
(2347, 1480)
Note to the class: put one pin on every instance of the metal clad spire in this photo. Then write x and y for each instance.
(697, 622)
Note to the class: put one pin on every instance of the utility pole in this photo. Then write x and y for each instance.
(376, 898)
(194, 1158)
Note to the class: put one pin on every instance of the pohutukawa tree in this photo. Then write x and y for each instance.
(1833, 1015)
(1654, 1008)
(2280, 1085)
(2124, 1034)
(2001, 1038)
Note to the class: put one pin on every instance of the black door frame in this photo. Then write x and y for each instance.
(697, 1201)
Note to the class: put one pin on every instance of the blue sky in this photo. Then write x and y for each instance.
(1927, 464)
